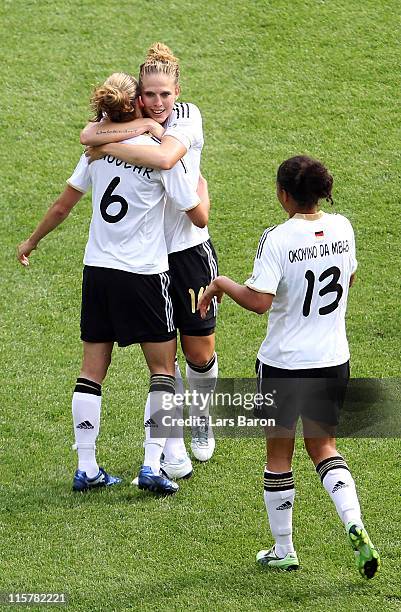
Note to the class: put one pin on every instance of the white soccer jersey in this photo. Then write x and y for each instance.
(306, 263)
(185, 124)
(127, 230)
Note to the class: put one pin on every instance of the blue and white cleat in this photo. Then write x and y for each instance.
(149, 481)
(82, 483)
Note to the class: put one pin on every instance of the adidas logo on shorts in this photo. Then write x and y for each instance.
(285, 506)
(339, 485)
(150, 423)
(85, 425)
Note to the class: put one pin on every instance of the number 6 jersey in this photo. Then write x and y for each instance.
(306, 263)
(126, 230)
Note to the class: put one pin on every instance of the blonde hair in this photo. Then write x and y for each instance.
(115, 98)
(160, 60)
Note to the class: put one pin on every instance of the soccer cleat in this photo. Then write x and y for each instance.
(82, 483)
(181, 468)
(203, 442)
(157, 484)
(367, 557)
(270, 559)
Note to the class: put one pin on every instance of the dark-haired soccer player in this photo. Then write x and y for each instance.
(302, 272)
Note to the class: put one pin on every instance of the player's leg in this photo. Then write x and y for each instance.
(142, 313)
(160, 403)
(320, 419)
(86, 409)
(279, 490)
(279, 495)
(97, 337)
(191, 272)
(337, 479)
(175, 460)
(201, 373)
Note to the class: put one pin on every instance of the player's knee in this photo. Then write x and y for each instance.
(96, 372)
(319, 449)
(199, 356)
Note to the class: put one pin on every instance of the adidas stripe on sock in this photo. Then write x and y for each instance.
(86, 406)
(279, 495)
(161, 394)
(339, 484)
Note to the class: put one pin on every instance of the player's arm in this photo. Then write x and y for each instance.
(163, 157)
(352, 279)
(58, 211)
(101, 132)
(183, 196)
(242, 295)
(185, 133)
(200, 214)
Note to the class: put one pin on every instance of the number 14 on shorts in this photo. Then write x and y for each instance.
(195, 298)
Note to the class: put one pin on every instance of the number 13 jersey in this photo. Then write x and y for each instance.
(306, 263)
(127, 229)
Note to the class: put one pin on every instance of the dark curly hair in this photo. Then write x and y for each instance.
(306, 180)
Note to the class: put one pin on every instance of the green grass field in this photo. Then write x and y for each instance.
(272, 79)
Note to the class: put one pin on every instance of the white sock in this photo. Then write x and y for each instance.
(339, 484)
(160, 396)
(86, 405)
(279, 495)
(201, 383)
(174, 449)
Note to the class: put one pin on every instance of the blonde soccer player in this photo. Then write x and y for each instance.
(192, 258)
(126, 295)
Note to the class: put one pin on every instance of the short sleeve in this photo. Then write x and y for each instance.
(186, 125)
(179, 188)
(267, 269)
(354, 262)
(80, 178)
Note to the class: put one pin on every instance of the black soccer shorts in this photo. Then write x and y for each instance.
(317, 394)
(191, 271)
(126, 308)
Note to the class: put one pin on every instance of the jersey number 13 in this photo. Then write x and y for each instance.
(332, 287)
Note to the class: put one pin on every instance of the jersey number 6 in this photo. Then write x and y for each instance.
(108, 199)
(332, 287)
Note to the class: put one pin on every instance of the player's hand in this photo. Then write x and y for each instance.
(24, 250)
(212, 291)
(94, 153)
(155, 128)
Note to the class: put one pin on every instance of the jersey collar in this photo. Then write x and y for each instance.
(311, 217)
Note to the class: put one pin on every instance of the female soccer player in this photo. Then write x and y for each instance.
(192, 259)
(302, 271)
(126, 283)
